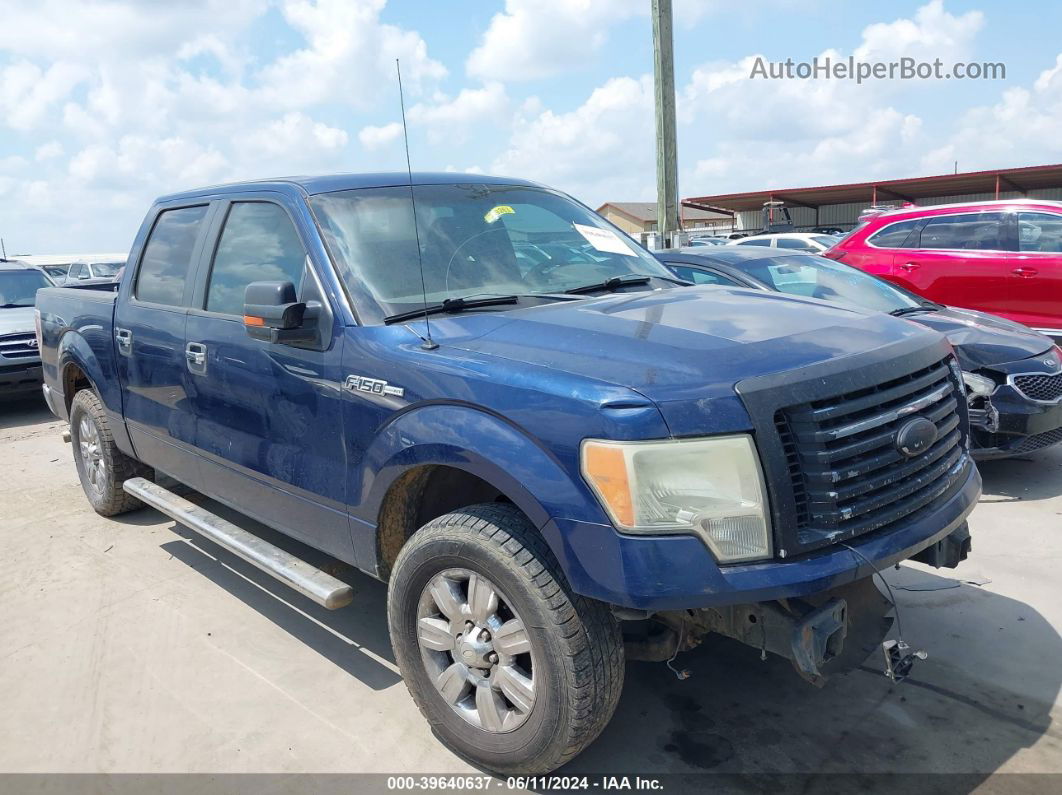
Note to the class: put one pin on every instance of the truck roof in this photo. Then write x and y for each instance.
(327, 183)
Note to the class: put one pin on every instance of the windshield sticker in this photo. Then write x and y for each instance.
(497, 212)
(604, 240)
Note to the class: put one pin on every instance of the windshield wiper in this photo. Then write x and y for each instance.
(15, 306)
(910, 310)
(609, 284)
(453, 305)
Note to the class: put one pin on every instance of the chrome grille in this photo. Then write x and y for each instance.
(19, 346)
(848, 475)
(1044, 388)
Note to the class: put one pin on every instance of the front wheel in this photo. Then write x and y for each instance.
(513, 671)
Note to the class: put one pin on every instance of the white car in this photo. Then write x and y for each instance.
(797, 241)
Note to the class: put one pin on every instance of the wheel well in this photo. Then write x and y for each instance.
(74, 380)
(420, 495)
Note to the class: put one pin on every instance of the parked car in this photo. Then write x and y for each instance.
(1013, 375)
(20, 361)
(696, 242)
(57, 273)
(80, 268)
(538, 462)
(94, 272)
(792, 241)
(1002, 257)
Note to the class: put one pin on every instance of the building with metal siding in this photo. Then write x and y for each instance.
(840, 205)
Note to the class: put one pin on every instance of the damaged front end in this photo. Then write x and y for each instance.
(828, 633)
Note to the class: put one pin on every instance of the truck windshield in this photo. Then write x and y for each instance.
(474, 239)
(106, 269)
(19, 288)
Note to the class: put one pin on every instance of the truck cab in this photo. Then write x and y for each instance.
(481, 392)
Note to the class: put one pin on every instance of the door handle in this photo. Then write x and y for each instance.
(910, 266)
(124, 338)
(196, 354)
(1025, 273)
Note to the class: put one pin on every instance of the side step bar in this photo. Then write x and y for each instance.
(319, 586)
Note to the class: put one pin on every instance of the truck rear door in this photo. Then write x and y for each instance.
(269, 415)
(149, 332)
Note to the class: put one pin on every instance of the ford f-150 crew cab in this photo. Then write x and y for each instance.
(481, 392)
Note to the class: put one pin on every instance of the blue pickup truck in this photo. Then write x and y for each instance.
(481, 392)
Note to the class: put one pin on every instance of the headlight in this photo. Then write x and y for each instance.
(712, 488)
(978, 384)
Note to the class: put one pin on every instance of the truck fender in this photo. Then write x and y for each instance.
(74, 350)
(486, 445)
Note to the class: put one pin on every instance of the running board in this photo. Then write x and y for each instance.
(311, 582)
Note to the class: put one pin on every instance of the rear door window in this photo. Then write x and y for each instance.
(893, 235)
(168, 256)
(258, 243)
(969, 231)
(1040, 232)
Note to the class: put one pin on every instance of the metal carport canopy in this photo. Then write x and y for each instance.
(997, 181)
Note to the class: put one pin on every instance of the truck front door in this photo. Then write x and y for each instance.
(269, 415)
(149, 326)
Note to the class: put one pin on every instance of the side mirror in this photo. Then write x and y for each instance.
(272, 313)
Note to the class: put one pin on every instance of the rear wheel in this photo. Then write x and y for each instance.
(101, 466)
(513, 671)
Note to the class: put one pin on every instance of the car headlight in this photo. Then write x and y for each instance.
(979, 385)
(712, 488)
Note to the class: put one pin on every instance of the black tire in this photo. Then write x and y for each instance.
(106, 494)
(578, 650)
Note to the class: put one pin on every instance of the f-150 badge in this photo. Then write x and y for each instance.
(374, 386)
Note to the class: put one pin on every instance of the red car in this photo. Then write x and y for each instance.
(1001, 257)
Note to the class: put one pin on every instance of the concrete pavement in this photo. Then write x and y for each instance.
(133, 645)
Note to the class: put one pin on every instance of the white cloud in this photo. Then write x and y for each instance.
(373, 137)
(94, 30)
(1021, 128)
(350, 54)
(801, 132)
(448, 119)
(933, 32)
(734, 133)
(604, 147)
(145, 101)
(48, 151)
(295, 133)
(532, 39)
(28, 93)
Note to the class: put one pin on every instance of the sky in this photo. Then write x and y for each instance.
(106, 104)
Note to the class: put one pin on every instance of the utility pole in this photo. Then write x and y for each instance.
(667, 216)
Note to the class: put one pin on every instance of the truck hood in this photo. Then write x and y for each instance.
(17, 320)
(681, 348)
(982, 340)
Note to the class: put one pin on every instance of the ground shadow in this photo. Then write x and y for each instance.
(984, 694)
(1034, 476)
(351, 637)
(24, 411)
